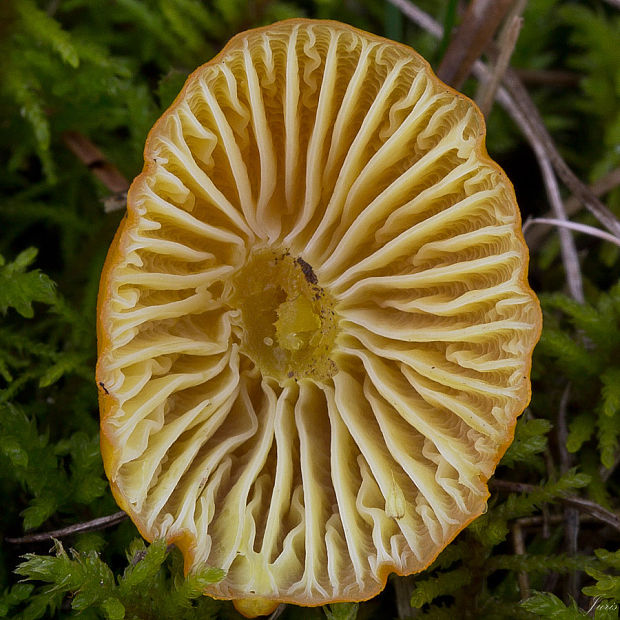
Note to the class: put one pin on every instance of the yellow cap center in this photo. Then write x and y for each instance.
(287, 319)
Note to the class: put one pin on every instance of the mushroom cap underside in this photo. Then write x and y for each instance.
(315, 328)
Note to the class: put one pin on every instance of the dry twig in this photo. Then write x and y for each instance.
(403, 587)
(583, 505)
(571, 514)
(419, 17)
(599, 188)
(519, 548)
(508, 40)
(471, 38)
(523, 116)
(95, 161)
(516, 91)
(548, 77)
(86, 526)
(536, 521)
(279, 610)
(584, 228)
(567, 243)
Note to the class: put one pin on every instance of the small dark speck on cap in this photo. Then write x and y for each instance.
(307, 270)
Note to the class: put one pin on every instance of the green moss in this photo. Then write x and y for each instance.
(107, 70)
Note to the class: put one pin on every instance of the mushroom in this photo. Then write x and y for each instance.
(315, 327)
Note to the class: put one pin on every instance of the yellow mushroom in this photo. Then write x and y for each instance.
(315, 327)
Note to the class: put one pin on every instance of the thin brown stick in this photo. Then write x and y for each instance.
(571, 514)
(516, 10)
(522, 100)
(566, 460)
(403, 587)
(583, 505)
(471, 38)
(546, 529)
(419, 17)
(572, 524)
(95, 161)
(518, 545)
(573, 205)
(508, 40)
(539, 520)
(86, 526)
(606, 472)
(568, 249)
(598, 188)
(278, 611)
(502, 52)
(584, 228)
(512, 106)
(548, 77)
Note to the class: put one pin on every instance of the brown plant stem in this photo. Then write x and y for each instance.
(584, 228)
(514, 107)
(516, 91)
(419, 17)
(583, 505)
(519, 548)
(487, 90)
(93, 525)
(571, 514)
(548, 77)
(568, 249)
(471, 38)
(536, 521)
(95, 161)
(536, 236)
(403, 586)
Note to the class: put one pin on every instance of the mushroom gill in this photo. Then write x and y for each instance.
(315, 327)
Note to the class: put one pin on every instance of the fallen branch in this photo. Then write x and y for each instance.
(419, 17)
(403, 587)
(571, 514)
